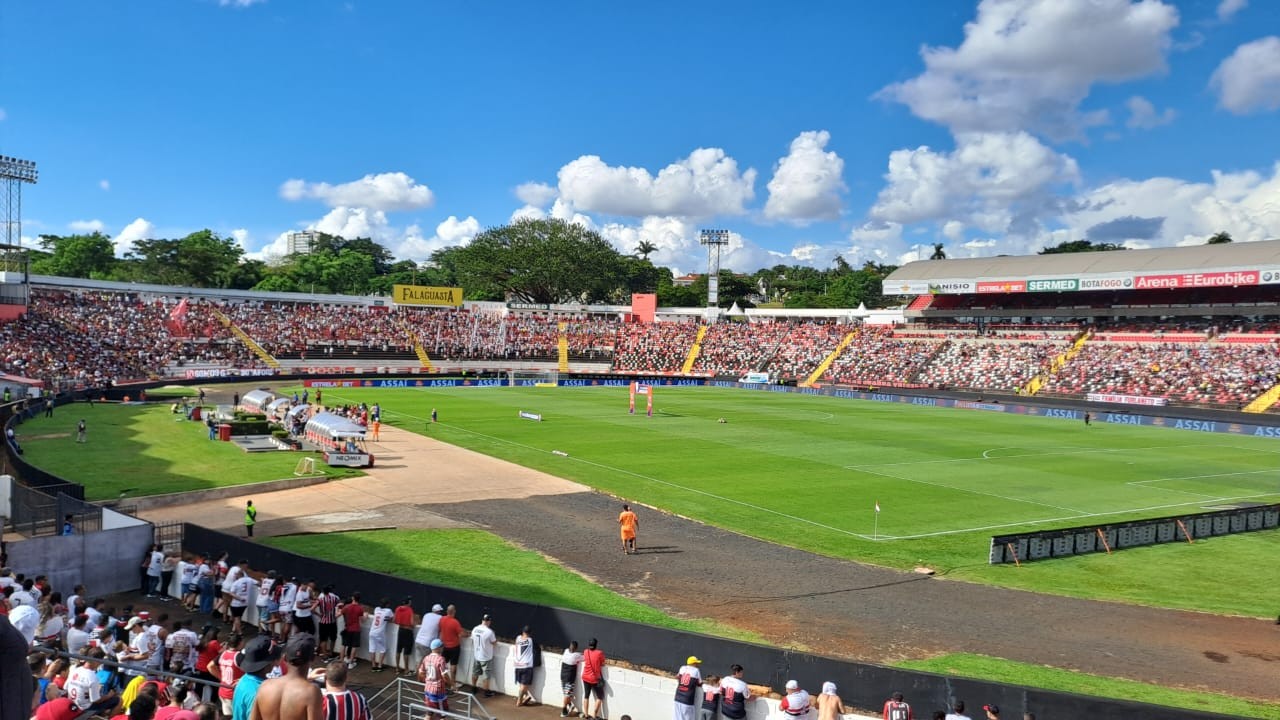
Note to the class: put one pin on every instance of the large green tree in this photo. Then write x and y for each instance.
(538, 261)
(80, 256)
(1220, 238)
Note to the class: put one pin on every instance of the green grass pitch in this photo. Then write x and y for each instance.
(808, 471)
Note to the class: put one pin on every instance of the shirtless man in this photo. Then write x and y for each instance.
(829, 705)
(294, 696)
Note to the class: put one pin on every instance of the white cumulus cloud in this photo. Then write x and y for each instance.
(1249, 80)
(989, 181)
(536, 194)
(139, 229)
(86, 226)
(239, 3)
(704, 184)
(104, 184)
(807, 183)
(449, 233)
(679, 249)
(241, 237)
(384, 192)
(1143, 114)
(1227, 9)
(1028, 64)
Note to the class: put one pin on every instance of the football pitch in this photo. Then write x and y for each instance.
(810, 471)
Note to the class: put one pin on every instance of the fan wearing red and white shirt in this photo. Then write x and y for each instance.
(433, 673)
(339, 702)
(688, 680)
(796, 703)
(229, 673)
(82, 684)
(734, 694)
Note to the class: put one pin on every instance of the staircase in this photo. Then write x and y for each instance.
(562, 346)
(1263, 402)
(249, 342)
(423, 358)
(694, 351)
(1034, 384)
(825, 365)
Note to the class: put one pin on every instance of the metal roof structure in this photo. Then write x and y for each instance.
(1194, 258)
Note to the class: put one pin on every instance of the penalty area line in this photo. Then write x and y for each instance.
(650, 479)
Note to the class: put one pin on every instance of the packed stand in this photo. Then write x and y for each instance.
(654, 347)
(875, 357)
(1205, 373)
(806, 345)
(300, 330)
(991, 364)
(94, 339)
(734, 348)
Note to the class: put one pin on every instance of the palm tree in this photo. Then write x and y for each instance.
(938, 252)
(1219, 238)
(644, 248)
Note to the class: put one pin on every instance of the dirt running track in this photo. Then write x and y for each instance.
(790, 596)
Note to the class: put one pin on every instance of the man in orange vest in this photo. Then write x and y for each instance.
(628, 522)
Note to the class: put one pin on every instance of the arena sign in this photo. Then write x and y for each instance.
(1232, 277)
(423, 295)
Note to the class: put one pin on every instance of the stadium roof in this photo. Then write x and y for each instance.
(1230, 264)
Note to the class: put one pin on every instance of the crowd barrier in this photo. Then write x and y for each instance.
(862, 685)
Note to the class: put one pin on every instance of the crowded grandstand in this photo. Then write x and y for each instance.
(1027, 325)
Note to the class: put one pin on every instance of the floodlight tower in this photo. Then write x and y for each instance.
(14, 172)
(714, 240)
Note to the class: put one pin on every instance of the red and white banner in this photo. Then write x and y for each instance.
(228, 372)
(1197, 280)
(1126, 399)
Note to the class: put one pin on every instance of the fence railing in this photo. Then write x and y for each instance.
(402, 699)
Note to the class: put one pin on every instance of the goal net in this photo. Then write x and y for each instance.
(535, 378)
(305, 466)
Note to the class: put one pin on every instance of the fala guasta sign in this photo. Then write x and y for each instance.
(423, 295)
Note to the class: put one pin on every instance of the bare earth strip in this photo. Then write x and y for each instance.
(831, 606)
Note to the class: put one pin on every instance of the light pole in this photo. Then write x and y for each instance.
(714, 240)
(14, 172)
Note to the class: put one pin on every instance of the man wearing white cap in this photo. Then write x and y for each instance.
(688, 680)
(429, 630)
(796, 703)
(142, 645)
(829, 705)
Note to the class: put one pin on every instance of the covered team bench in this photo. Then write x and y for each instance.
(339, 438)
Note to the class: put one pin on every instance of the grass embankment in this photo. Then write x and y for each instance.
(1015, 673)
(482, 562)
(134, 450)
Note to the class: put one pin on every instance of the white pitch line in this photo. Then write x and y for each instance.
(646, 477)
(1201, 477)
(1030, 454)
(1085, 515)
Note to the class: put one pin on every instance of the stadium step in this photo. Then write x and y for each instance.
(249, 342)
(562, 345)
(423, 358)
(825, 365)
(1034, 384)
(692, 357)
(1263, 402)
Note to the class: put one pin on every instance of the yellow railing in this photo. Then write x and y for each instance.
(825, 365)
(694, 351)
(1263, 402)
(249, 342)
(1034, 384)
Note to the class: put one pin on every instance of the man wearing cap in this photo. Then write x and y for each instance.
(993, 711)
(688, 680)
(483, 642)
(895, 708)
(829, 705)
(142, 646)
(796, 702)
(429, 630)
(957, 711)
(255, 660)
(434, 675)
(293, 696)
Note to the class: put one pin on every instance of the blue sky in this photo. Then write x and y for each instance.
(866, 129)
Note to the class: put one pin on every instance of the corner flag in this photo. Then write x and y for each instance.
(877, 506)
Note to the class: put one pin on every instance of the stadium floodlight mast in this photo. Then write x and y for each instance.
(714, 240)
(14, 172)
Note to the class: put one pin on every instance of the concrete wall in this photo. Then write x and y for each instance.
(106, 561)
(6, 499)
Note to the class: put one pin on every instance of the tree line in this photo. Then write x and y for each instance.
(528, 261)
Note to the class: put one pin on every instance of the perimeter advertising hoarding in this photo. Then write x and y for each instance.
(423, 295)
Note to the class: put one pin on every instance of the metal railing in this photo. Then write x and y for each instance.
(122, 669)
(403, 699)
